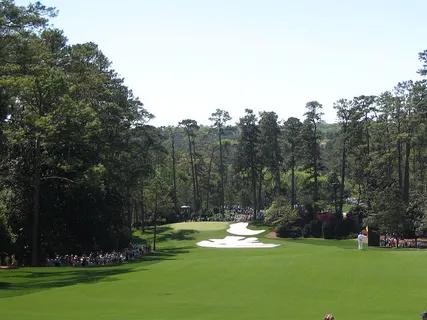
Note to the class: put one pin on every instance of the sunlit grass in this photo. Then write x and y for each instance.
(301, 279)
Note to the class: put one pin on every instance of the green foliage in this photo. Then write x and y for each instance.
(328, 230)
(282, 217)
(288, 231)
(5, 237)
(315, 228)
(352, 236)
(280, 213)
(74, 140)
(306, 231)
(80, 165)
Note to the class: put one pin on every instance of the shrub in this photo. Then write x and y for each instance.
(288, 231)
(295, 232)
(328, 230)
(357, 214)
(280, 213)
(325, 216)
(343, 228)
(282, 231)
(306, 231)
(5, 238)
(315, 229)
(352, 236)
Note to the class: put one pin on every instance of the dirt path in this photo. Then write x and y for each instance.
(271, 235)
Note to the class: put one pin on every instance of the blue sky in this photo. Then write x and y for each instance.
(185, 58)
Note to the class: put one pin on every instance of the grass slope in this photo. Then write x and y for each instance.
(200, 226)
(302, 279)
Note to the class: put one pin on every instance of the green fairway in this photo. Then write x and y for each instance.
(200, 226)
(301, 279)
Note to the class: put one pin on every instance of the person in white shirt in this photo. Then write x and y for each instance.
(360, 239)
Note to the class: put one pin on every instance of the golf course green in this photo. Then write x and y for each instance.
(300, 279)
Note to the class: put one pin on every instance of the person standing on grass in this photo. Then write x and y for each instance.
(360, 239)
(424, 315)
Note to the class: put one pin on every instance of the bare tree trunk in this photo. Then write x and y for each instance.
(135, 213)
(192, 171)
(196, 176)
(278, 182)
(293, 197)
(221, 171)
(315, 196)
(343, 167)
(399, 156)
(359, 194)
(406, 178)
(142, 209)
(155, 220)
(209, 181)
(36, 210)
(254, 189)
(175, 199)
(414, 166)
(130, 210)
(259, 202)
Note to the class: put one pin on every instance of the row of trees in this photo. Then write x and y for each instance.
(80, 165)
(374, 157)
(75, 146)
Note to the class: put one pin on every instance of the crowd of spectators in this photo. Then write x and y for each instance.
(232, 213)
(9, 261)
(392, 241)
(99, 258)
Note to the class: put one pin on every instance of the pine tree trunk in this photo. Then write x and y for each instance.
(259, 201)
(406, 177)
(136, 213)
(130, 210)
(209, 181)
(315, 196)
(254, 189)
(36, 209)
(277, 174)
(221, 171)
(343, 167)
(293, 197)
(192, 172)
(142, 209)
(196, 177)
(155, 220)
(399, 157)
(175, 199)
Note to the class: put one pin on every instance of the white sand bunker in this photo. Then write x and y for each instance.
(237, 242)
(240, 229)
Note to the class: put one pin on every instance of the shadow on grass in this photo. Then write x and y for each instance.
(257, 224)
(146, 236)
(166, 254)
(342, 244)
(260, 225)
(177, 235)
(26, 281)
(29, 280)
(164, 233)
